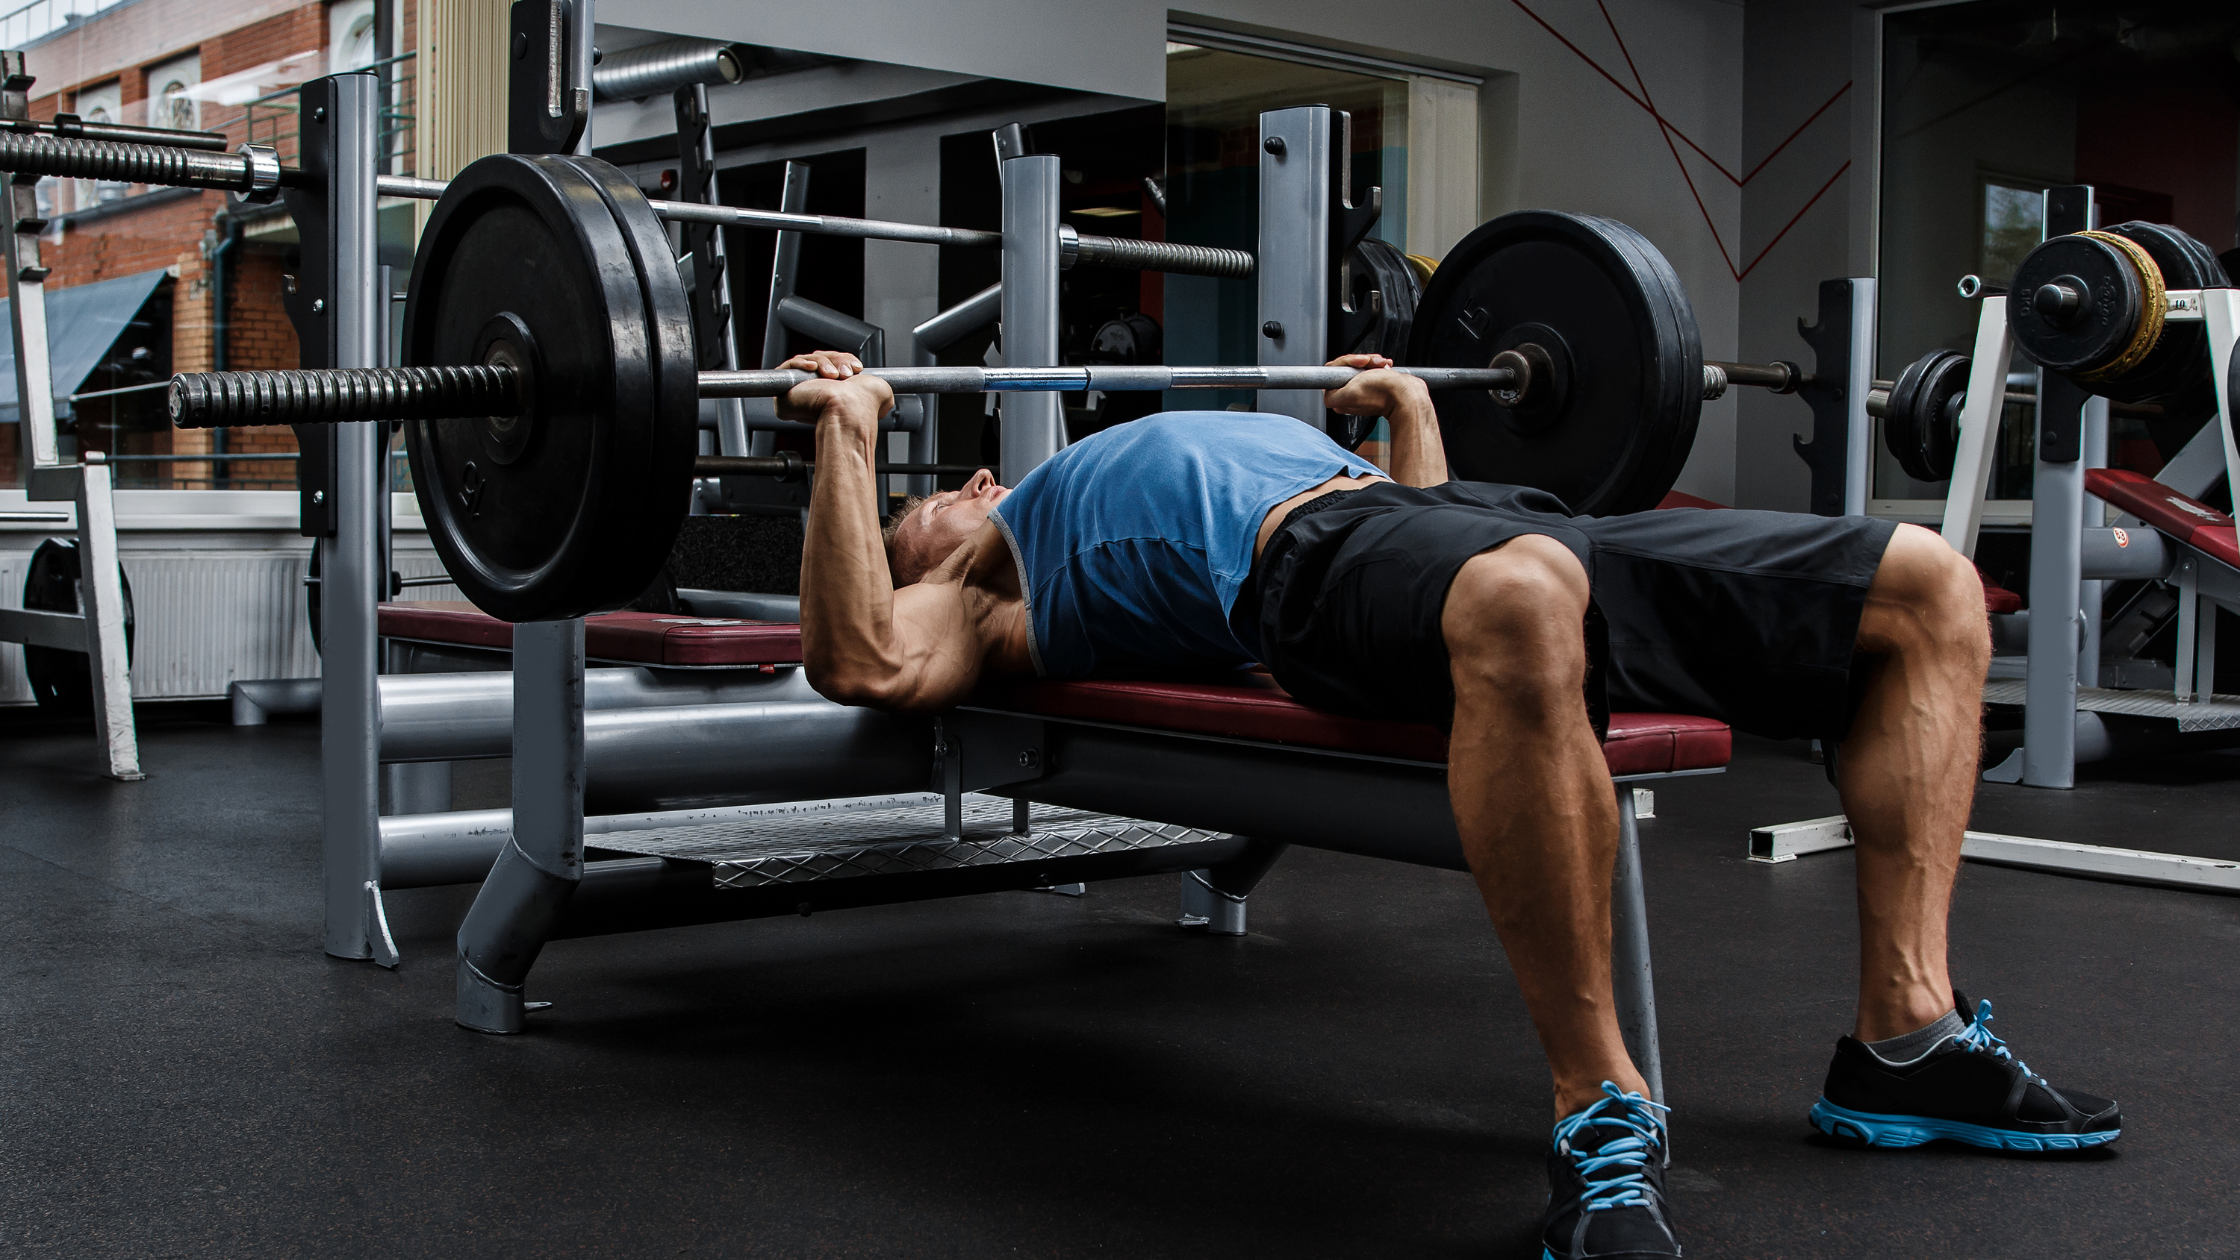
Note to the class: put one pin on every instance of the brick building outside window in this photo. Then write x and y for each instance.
(206, 270)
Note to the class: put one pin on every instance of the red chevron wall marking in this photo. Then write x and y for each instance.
(1639, 95)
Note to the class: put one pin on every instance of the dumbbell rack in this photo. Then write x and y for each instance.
(2071, 550)
(98, 629)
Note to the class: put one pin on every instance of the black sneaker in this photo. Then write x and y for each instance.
(1606, 1184)
(1969, 1089)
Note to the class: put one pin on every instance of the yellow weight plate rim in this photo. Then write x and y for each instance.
(2153, 304)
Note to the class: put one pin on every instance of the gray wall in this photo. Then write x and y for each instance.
(1558, 134)
(1797, 55)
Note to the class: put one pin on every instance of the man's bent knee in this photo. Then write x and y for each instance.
(1515, 616)
(1926, 597)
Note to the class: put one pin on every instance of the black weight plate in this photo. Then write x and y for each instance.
(2098, 331)
(62, 681)
(1630, 360)
(1922, 427)
(1377, 272)
(660, 497)
(2179, 362)
(2177, 372)
(543, 518)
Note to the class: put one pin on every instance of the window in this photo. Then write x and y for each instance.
(2013, 218)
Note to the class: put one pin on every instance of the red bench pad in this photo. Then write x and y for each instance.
(1255, 708)
(1997, 598)
(2190, 521)
(640, 637)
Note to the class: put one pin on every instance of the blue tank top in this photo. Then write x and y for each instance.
(1131, 544)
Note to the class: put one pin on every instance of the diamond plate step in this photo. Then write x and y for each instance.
(812, 848)
(2217, 713)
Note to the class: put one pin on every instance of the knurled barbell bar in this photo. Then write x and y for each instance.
(255, 172)
(553, 407)
(76, 127)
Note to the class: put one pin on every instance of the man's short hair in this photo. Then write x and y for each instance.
(892, 527)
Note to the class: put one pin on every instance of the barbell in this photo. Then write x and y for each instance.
(552, 393)
(256, 173)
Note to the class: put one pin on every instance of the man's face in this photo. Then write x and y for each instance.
(940, 525)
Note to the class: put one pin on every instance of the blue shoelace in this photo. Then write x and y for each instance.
(1980, 1037)
(1628, 1155)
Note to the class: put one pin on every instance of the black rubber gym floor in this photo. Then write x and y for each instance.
(185, 1074)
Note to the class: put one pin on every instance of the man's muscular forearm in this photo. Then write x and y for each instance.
(1419, 453)
(848, 640)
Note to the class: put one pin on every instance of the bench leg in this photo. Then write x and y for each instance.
(1629, 952)
(538, 870)
(1214, 898)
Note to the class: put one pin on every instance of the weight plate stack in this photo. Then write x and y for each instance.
(2177, 368)
(1610, 418)
(1377, 277)
(1921, 427)
(2081, 305)
(557, 267)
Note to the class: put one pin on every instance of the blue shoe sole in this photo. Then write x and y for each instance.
(1880, 1130)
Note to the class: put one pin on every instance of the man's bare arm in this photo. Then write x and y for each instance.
(1419, 454)
(862, 641)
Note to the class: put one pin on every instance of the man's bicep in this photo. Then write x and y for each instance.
(940, 643)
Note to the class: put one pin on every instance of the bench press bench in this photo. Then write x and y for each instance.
(1207, 779)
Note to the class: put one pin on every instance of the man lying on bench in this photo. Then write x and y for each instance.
(1211, 540)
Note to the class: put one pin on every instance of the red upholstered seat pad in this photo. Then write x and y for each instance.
(644, 638)
(2188, 520)
(1253, 707)
(1997, 598)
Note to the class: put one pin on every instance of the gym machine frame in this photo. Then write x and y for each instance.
(2073, 550)
(2071, 546)
(531, 892)
(98, 630)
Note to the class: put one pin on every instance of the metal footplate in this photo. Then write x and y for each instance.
(901, 841)
(2211, 713)
(808, 859)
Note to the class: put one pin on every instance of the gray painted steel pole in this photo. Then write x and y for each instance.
(538, 869)
(785, 260)
(1634, 988)
(350, 715)
(2091, 592)
(1033, 423)
(2049, 723)
(1294, 250)
(1858, 443)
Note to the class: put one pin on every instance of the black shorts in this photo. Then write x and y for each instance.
(1747, 617)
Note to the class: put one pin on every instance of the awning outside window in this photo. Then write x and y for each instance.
(82, 323)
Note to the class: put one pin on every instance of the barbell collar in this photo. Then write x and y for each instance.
(1780, 377)
(254, 172)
